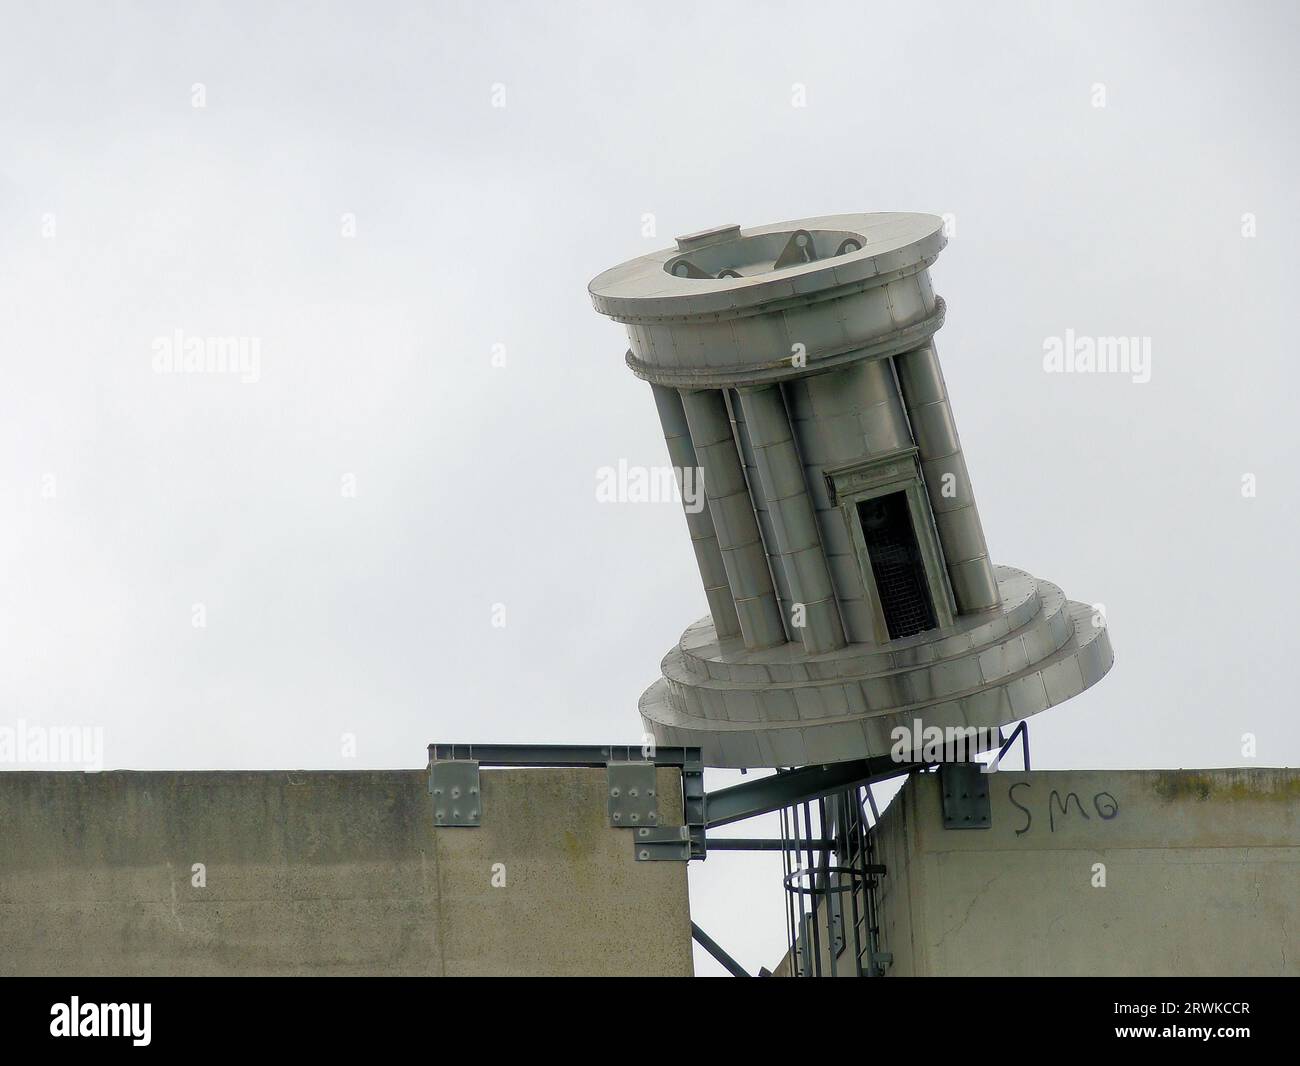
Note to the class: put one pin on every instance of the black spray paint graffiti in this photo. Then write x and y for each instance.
(1106, 806)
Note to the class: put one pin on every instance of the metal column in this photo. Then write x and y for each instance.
(947, 483)
(798, 548)
(743, 556)
(704, 538)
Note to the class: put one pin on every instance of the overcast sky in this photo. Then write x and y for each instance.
(349, 201)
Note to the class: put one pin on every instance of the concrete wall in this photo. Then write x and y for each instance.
(1202, 876)
(329, 873)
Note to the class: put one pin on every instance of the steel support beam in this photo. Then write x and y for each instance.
(769, 794)
(766, 844)
(685, 759)
(563, 754)
(715, 949)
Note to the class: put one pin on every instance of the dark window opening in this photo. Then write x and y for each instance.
(896, 564)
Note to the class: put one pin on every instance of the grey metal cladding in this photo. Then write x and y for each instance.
(801, 376)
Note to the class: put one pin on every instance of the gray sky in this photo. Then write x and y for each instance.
(130, 496)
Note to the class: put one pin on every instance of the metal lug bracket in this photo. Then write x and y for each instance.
(880, 961)
(457, 799)
(965, 791)
(668, 843)
(798, 249)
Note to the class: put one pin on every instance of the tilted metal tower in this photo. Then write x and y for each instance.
(849, 584)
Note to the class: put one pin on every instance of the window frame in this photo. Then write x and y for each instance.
(881, 475)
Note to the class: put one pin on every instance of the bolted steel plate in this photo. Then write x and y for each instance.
(454, 786)
(632, 795)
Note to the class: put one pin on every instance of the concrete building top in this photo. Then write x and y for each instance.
(1098, 872)
(330, 873)
(1085, 873)
(728, 270)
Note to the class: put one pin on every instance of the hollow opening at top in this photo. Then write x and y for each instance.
(744, 257)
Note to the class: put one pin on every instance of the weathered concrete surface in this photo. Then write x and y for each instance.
(329, 873)
(1202, 876)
